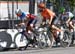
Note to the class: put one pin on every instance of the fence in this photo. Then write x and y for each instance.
(4, 10)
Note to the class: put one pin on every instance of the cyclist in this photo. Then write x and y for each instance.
(66, 17)
(48, 15)
(29, 19)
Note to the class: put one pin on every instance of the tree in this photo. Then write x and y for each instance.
(72, 3)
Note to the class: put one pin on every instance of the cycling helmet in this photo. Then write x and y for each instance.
(18, 11)
(41, 5)
(62, 9)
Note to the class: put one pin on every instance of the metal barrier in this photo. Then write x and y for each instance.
(5, 24)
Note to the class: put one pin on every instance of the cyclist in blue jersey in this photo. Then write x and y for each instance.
(25, 16)
(21, 14)
(27, 24)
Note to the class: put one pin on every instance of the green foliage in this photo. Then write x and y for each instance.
(72, 3)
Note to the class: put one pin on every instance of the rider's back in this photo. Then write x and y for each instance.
(47, 13)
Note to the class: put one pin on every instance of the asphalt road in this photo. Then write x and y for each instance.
(57, 50)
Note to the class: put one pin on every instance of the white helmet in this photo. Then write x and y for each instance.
(18, 11)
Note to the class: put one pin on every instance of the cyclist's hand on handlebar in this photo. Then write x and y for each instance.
(17, 25)
(43, 23)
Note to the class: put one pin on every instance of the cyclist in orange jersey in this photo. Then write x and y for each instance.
(50, 15)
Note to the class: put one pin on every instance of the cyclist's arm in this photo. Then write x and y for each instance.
(70, 15)
(43, 21)
(51, 14)
(68, 20)
(50, 20)
(71, 24)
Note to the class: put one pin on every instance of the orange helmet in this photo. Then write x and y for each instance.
(41, 5)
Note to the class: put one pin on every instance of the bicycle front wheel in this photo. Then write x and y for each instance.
(20, 40)
(51, 38)
(66, 40)
(42, 41)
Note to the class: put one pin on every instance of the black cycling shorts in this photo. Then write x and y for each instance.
(54, 21)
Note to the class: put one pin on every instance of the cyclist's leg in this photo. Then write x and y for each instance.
(28, 24)
(34, 22)
(54, 23)
(56, 29)
(71, 27)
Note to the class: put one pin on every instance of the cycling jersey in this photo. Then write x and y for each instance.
(23, 15)
(47, 14)
(31, 16)
(64, 17)
(32, 19)
(70, 15)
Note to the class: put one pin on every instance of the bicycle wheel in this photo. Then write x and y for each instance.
(42, 40)
(20, 40)
(66, 40)
(5, 41)
(51, 38)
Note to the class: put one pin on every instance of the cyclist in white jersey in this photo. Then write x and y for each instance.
(66, 17)
(70, 16)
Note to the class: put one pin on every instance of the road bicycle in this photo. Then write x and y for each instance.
(22, 39)
(45, 37)
(65, 36)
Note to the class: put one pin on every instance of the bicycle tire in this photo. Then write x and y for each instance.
(66, 41)
(51, 38)
(48, 40)
(19, 44)
(42, 42)
(5, 37)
